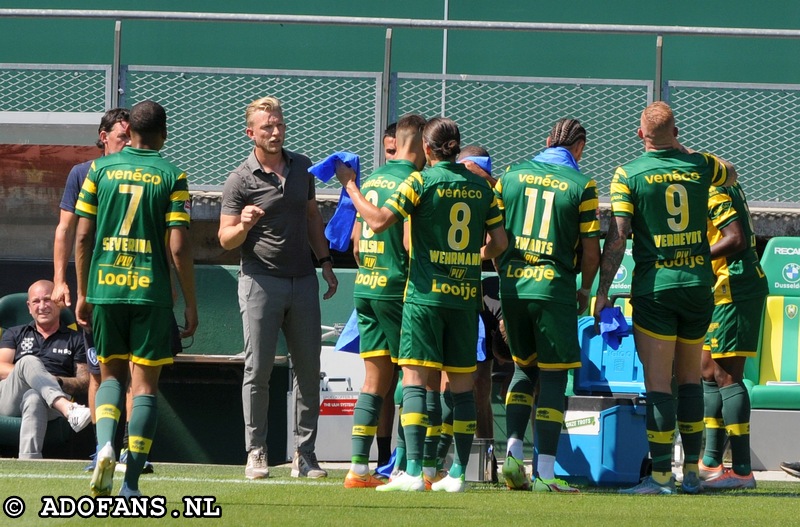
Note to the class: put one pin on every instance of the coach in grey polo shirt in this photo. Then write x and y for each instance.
(269, 208)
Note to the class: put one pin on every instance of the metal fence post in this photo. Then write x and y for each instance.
(383, 118)
(115, 86)
(659, 64)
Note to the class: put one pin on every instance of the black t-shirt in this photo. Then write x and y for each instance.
(59, 353)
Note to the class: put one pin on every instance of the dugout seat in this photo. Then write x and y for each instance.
(773, 376)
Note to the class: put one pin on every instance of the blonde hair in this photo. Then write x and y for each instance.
(264, 104)
(658, 121)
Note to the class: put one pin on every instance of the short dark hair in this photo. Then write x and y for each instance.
(109, 119)
(473, 151)
(391, 130)
(149, 119)
(443, 137)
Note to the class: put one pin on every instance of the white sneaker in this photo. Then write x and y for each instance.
(78, 416)
(305, 465)
(103, 475)
(256, 464)
(450, 484)
(403, 482)
(127, 493)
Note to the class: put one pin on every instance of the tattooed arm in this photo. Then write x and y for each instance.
(613, 251)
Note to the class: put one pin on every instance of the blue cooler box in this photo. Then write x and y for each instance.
(604, 441)
(605, 370)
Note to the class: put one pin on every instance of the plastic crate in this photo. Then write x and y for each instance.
(604, 370)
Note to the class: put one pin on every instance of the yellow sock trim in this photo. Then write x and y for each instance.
(662, 478)
(519, 398)
(713, 422)
(140, 445)
(447, 429)
(433, 431)
(664, 438)
(464, 427)
(364, 431)
(738, 429)
(549, 414)
(690, 428)
(414, 419)
(107, 411)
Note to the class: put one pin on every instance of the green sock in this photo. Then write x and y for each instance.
(464, 424)
(715, 425)
(365, 426)
(519, 401)
(661, 429)
(446, 439)
(400, 448)
(550, 410)
(736, 412)
(108, 401)
(142, 428)
(690, 421)
(433, 404)
(415, 425)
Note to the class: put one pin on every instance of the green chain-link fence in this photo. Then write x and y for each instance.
(511, 117)
(54, 88)
(755, 126)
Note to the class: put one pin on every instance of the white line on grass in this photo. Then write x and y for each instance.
(269, 481)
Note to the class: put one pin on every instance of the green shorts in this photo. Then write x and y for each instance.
(439, 337)
(734, 329)
(543, 332)
(681, 314)
(141, 334)
(379, 323)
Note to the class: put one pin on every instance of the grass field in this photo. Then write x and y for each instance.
(282, 500)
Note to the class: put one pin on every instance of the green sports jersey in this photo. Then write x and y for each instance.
(382, 258)
(739, 276)
(134, 196)
(548, 208)
(665, 193)
(450, 210)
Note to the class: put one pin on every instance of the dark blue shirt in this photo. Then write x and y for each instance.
(59, 352)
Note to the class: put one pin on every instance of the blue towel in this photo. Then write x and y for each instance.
(613, 326)
(482, 161)
(481, 340)
(348, 339)
(340, 226)
(558, 156)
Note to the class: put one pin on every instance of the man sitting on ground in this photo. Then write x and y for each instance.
(40, 363)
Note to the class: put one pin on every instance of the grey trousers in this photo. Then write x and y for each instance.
(29, 392)
(268, 305)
